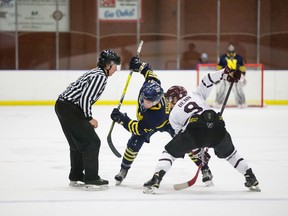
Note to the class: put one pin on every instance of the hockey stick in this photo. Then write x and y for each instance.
(226, 98)
(192, 181)
(109, 137)
(188, 183)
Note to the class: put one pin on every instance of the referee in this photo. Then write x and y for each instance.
(73, 109)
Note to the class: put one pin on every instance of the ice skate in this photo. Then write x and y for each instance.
(121, 176)
(251, 181)
(96, 185)
(153, 184)
(76, 184)
(207, 177)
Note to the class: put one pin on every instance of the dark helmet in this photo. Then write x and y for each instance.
(175, 91)
(152, 91)
(108, 56)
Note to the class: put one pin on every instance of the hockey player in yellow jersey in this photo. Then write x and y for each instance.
(233, 61)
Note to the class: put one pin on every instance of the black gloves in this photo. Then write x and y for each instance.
(231, 75)
(137, 65)
(119, 117)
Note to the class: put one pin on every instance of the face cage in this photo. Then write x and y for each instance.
(153, 102)
(171, 99)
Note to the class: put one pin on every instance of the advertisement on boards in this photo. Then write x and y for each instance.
(119, 10)
(34, 15)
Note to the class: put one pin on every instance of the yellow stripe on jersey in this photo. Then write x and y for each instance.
(150, 73)
(156, 107)
(133, 127)
(163, 124)
(139, 116)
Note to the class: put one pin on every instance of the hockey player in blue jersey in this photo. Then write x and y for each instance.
(152, 116)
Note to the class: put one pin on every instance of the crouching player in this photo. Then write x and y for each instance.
(152, 116)
(199, 126)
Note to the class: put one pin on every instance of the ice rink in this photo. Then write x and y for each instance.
(34, 164)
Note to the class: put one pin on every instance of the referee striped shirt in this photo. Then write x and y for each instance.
(86, 90)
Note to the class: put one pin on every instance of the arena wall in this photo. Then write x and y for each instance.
(28, 87)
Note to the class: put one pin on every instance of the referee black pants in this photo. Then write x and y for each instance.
(83, 141)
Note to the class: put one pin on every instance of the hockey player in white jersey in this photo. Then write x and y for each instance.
(199, 126)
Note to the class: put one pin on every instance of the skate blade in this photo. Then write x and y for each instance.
(150, 190)
(76, 185)
(255, 188)
(209, 183)
(96, 187)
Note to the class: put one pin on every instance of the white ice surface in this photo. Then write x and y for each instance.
(34, 166)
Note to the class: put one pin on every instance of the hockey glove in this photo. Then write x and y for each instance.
(137, 65)
(231, 75)
(204, 158)
(119, 117)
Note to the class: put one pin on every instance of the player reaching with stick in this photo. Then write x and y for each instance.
(198, 126)
(152, 116)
